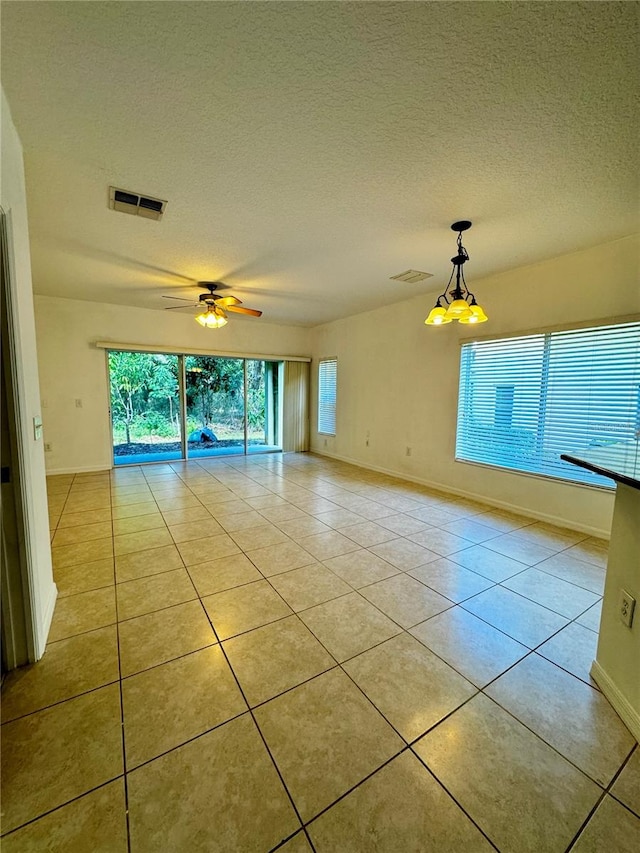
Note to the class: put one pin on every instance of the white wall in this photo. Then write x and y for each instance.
(14, 204)
(398, 379)
(71, 367)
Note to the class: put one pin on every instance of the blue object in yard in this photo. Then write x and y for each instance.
(205, 436)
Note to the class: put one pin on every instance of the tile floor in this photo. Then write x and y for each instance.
(286, 652)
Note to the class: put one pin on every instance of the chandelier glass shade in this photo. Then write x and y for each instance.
(459, 303)
(212, 318)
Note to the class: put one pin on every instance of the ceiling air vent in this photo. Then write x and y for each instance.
(139, 205)
(411, 276)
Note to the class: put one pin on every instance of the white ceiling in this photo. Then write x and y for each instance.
(309, 151)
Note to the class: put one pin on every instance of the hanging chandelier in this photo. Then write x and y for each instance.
(212, 318)
(462, 305)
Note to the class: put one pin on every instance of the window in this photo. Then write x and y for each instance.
(524, 401)
(327, 375)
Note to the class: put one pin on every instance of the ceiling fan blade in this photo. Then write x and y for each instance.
(177, 297)
(178, 307)
(251, 311)
(228, 300)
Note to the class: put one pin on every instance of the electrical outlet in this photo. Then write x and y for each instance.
(78, 403)
(325, 442)
(408, 452)
(48, 447)
(626, 606)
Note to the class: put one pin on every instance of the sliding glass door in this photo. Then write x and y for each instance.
(264, 423)
(146, 421)
(169, 407)
(215, 405)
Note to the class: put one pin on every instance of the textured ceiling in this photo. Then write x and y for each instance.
(309, 150)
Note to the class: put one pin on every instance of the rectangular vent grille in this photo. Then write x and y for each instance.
(139, 205)
(411, 276)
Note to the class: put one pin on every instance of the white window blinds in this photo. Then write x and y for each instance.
(327, 376)
(524, 401)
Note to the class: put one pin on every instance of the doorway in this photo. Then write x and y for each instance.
(168, 407)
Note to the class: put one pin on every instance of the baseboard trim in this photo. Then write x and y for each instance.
(620, 704)
(440, 487)
(89, 469)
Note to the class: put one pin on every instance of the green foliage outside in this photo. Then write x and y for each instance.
(145, 400)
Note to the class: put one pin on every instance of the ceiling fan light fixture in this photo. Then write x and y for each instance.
(212, 318)
(460, 303)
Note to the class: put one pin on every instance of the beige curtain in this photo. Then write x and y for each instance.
(296, 406)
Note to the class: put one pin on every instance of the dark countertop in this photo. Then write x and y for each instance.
(620, 462)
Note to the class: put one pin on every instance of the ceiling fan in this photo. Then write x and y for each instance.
(217, 306)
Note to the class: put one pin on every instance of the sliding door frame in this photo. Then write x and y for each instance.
(278, 418)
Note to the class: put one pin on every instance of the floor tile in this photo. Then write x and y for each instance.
(348, 625)
(172, 703)
(489, 564)
(400, 808)
(368, 533)
(82, 533)
(591, 617)
(234, 521)
(144, 563)
(283, 512)
(75, 614)
(503, 520)
(280, 558)
(569, 715)
(68, 668)
(50, 757)
(258, 537)
(359, 568)
(136, 523)
(405, 600)
(404, 554)
(551, 536)
(91, 516)
(64, 556)
(269, 660)
(230, 766)
(471, 530)
(323, 546)
(574, 649)
(142, 540)
(95, 574)
(173, 517)
(300, 528)
(161, 636)
(526, 797)
(244, 608)
(525, 621)
(574, 571)
(440, 541)
(450, 579)
(310, 585)
(138, 496)
(408, 684)
(590, 552)
(207, 548)
(155, 592)
(339, 518)
(564, 598)
(298, 844)
(403, 525)
(199, 529)
(133, 510)
(96, 822)
(520, 549)
(325, 737)
(478, 651)
(223, 573)
(612, 827)
(626, 788)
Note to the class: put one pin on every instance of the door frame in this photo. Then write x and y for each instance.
(17, 606)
